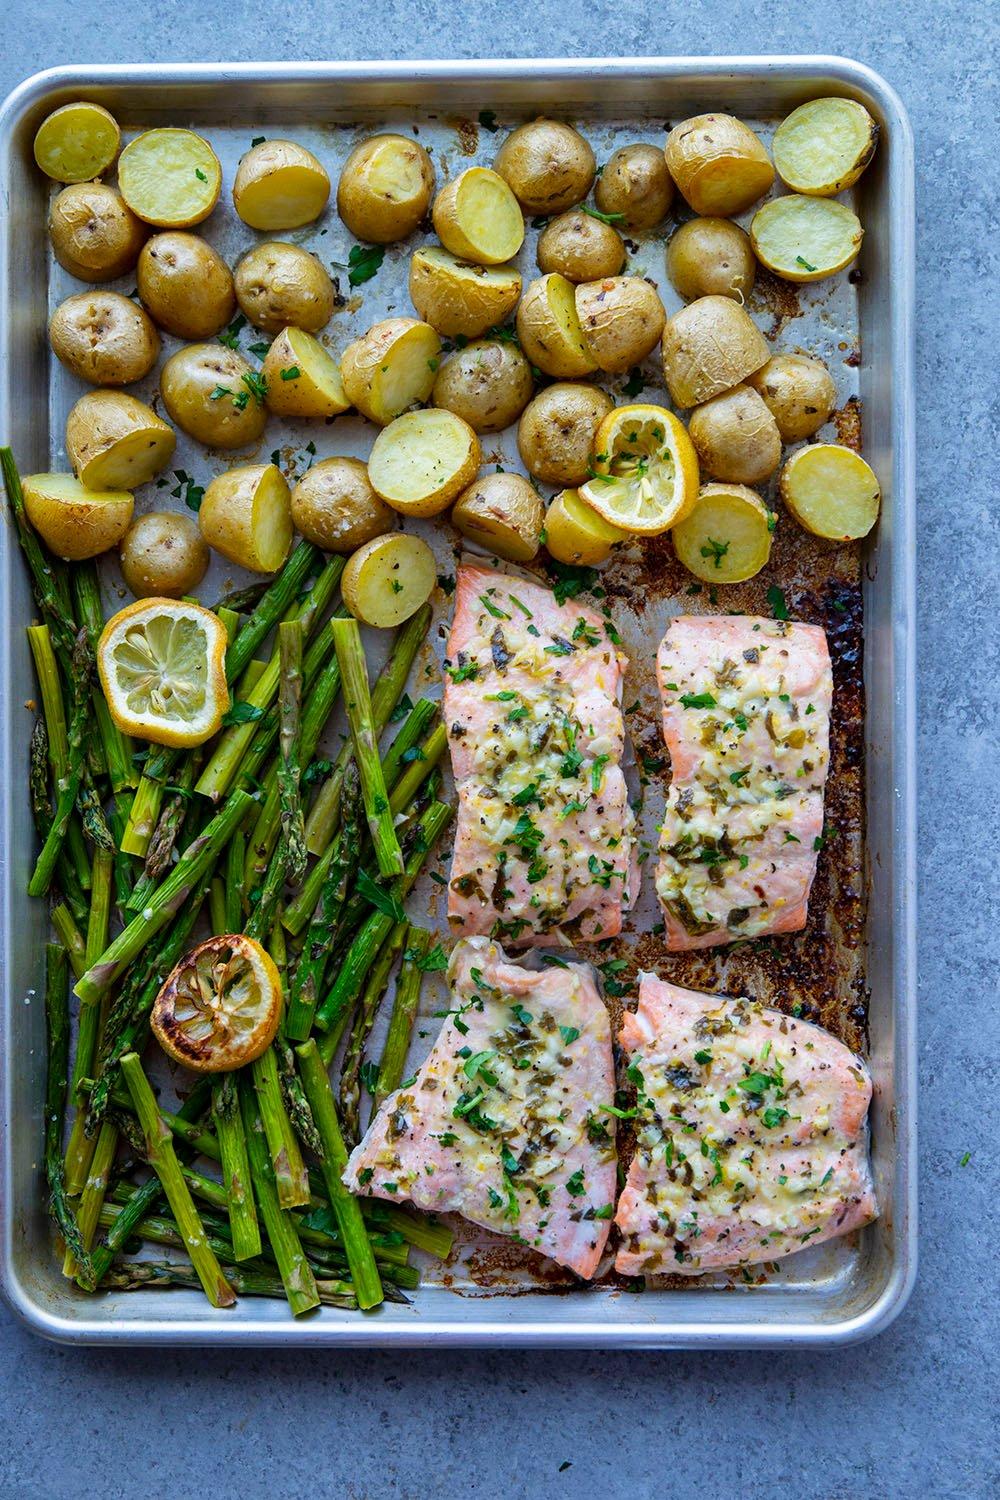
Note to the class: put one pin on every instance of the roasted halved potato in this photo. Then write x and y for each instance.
(580, 247)
(459, 298)
(805, 239)
(115, 442)
(214, 395)
(95, 235)
(548, 327)
(547, 165)
(385, 188)
(477, 218)
(104, 338)
(635, 187)
(170, 177)
(185, 285)
(422, 460)
(718, 163)
(388, 579)
(488, 384)
(555, 435)
(711, 258)
(622, 320)
(503, 513)
(163, 555)
(77, 142)
(302, 379)
(280, 185)
(390, 368)
(278, 285)
(72, 521)
(735, 437)
(727, 536)
(799, 392)
(335, 507)
(823, 147)
(246, 515)
(576, 534)
(708, 347)
(831, 491)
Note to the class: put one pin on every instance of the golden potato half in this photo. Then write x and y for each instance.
(547, 165)
(95, 235)
(805, 239)
(548, 327)
(115, 442)
(214, 395)
(576, 534)
(72, 521)
(727, 536)
(77, 142)
(708, 347)
(335, 507)
(823, 147)
(503, 514)
(185, 285)
(711, 258)
(635, 187)
(280, 185)
(488, 384)
(622, 320)
(301, 377)
(718, 163)
(831, 491)
(477, 218)
(388, 579)
(580, 247)
(385, 188)
(170, 177)
(390, 368)
(104, 338)
(246, 515)
(422, 460)
(458, 297)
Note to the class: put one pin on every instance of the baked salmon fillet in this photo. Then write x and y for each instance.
(751, 1134)
(507, 1121)
(746, 719)
(544, 847)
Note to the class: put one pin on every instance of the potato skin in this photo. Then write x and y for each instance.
(73, 522)
(163, 554)
(95, 235)
(622, 319)
(553, 344)
(556, 432)
(735, 437)
(230, 519)
(366, 207)
(503, 513)
(636, 184)
(104, 338)
(278, 284)
(185, 285)
(107, 428)
(708, 347)
(718, 163)
(488, 384)
(187, 382)
(580, 247)
(277, 158)
(365, 359)
(799, 392)
(458, 297)
(335, 507)
(547, 165)
(711, 258)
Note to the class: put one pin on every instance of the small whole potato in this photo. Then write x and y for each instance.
(636, 184)
(95, 235)
(214, 395)
(335, 507)
(735, 437)
(185, 285)
(580, 247)
(163, 554)
(385, 188)
(104, 338)
(556, 432)
(488, 384)
(622, 320)
(548, 166)
(718, 163)
(799, 392)
(278, 284)
(711, 258)
(708, 347)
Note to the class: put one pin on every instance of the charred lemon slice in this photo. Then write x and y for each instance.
(645, 470)
(219, 1008)
(162, 664)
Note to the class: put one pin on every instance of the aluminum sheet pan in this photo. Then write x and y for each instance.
(853, 969)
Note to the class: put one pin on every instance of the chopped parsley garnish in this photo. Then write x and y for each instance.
(382, 899)
(467, 672)
(523, 1016)
(697, 700)
(363, 262)
(491, 608)
(242, 713)
(799, 261)
(569, 1034)
(776, 599)
(703, 1057)
(597, 772)
(773, 1116)
(715, 550)
(575, 1185)
(291, 373)
(595, 213)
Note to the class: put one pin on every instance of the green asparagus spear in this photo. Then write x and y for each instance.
(404, 1010)
(69, 786)
(57, 1021)
(48, 578)
(289, 767)
(357, 700)
(238, 1194)
(142, 1276)
(371, 998)
(290, 1176)
(90, 612)
(71, 938)
(297, 1278)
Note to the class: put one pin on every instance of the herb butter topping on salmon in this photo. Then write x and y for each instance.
(508, 1121)
(544, 842)
(746, 718)
(751, 1135)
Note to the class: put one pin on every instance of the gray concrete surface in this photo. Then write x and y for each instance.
(914, 1413)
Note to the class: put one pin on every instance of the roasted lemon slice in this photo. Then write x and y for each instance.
(645, 475)
(162, 668)
(219, 1008)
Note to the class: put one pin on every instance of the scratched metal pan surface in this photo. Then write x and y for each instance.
(853, 969)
